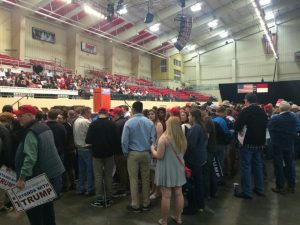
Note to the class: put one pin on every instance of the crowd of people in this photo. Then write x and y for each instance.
(191, 150)
(120, 87)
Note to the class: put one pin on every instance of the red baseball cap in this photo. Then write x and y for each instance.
(103, 110)
(117, 111)
(175, 111)
(23, 109)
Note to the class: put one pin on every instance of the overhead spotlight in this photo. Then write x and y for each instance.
(68, 1)
(264, 2)
(196, 7)
(154, 27)
(223, 34)
(181, 3)
(149, 18)
(110, 11)
(213, 24)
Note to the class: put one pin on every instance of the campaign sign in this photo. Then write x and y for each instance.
(37, 191)
(7, 178)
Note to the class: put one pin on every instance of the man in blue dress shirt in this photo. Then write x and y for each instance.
(137, 137)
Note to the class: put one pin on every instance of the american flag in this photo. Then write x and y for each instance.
(245, 88)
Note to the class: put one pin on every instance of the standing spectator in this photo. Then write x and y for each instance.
(169, 173)
(254, 120)
(126, 111)
(282, 130)
(59, 132)
(85, 158)
(69, 154)
(102, 135)
(223, 134)
(120, 159)
(6, 159)
(196, 157)
(159, 131)
(36, 155)
(137, 137)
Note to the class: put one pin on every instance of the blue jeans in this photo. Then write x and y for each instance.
(220, 153)
(57, 184)
(284, 166)
(249, 158)
(86, 175)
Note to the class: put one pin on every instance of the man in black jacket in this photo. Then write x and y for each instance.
(120, 159)
(102, 135)
(253, 122)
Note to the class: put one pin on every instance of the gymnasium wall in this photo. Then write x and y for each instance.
(5, 32)
(245, 61)
(67, 49)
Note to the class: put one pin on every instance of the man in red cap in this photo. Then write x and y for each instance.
(36, 155)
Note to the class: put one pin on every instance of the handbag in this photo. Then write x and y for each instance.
(187, 170)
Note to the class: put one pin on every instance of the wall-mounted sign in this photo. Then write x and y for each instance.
(85, 47)
(43, 35)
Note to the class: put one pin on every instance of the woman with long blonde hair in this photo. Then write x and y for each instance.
(169, 173)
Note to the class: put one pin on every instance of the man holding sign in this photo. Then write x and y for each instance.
(36, 155)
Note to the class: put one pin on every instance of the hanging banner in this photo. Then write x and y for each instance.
(7, 178)
(37, 191)
(85, 47)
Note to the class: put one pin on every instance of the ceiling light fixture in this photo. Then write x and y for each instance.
(196, 7)
(191, 47)
(223, 34)
(154, 27)
(269, 16)
(88, 9)
(213, 24)
(264, 27)
(264, 2)
(67, 1)
(123, 11)
(174, 40)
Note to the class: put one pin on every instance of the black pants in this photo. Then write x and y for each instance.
(196, 193)
(42, 215)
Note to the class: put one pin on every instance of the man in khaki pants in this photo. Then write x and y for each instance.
(138, 135)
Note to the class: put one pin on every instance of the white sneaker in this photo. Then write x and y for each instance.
(153, 197)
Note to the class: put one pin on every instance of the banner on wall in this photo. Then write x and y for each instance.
(43, 35)
(89, 48)
(267, 45)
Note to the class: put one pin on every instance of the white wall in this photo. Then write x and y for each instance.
(5, 31)
(289, 43)
(122, 60)
(145, 66)
(250, 64)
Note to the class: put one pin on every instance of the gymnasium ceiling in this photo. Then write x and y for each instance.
(237, 17)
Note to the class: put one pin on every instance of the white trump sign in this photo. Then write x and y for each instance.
(7, 178)
(37, 191)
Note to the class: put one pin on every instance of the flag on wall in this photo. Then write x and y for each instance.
(262, 88)
(249, 88)
(245, 88)
(266, 44)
